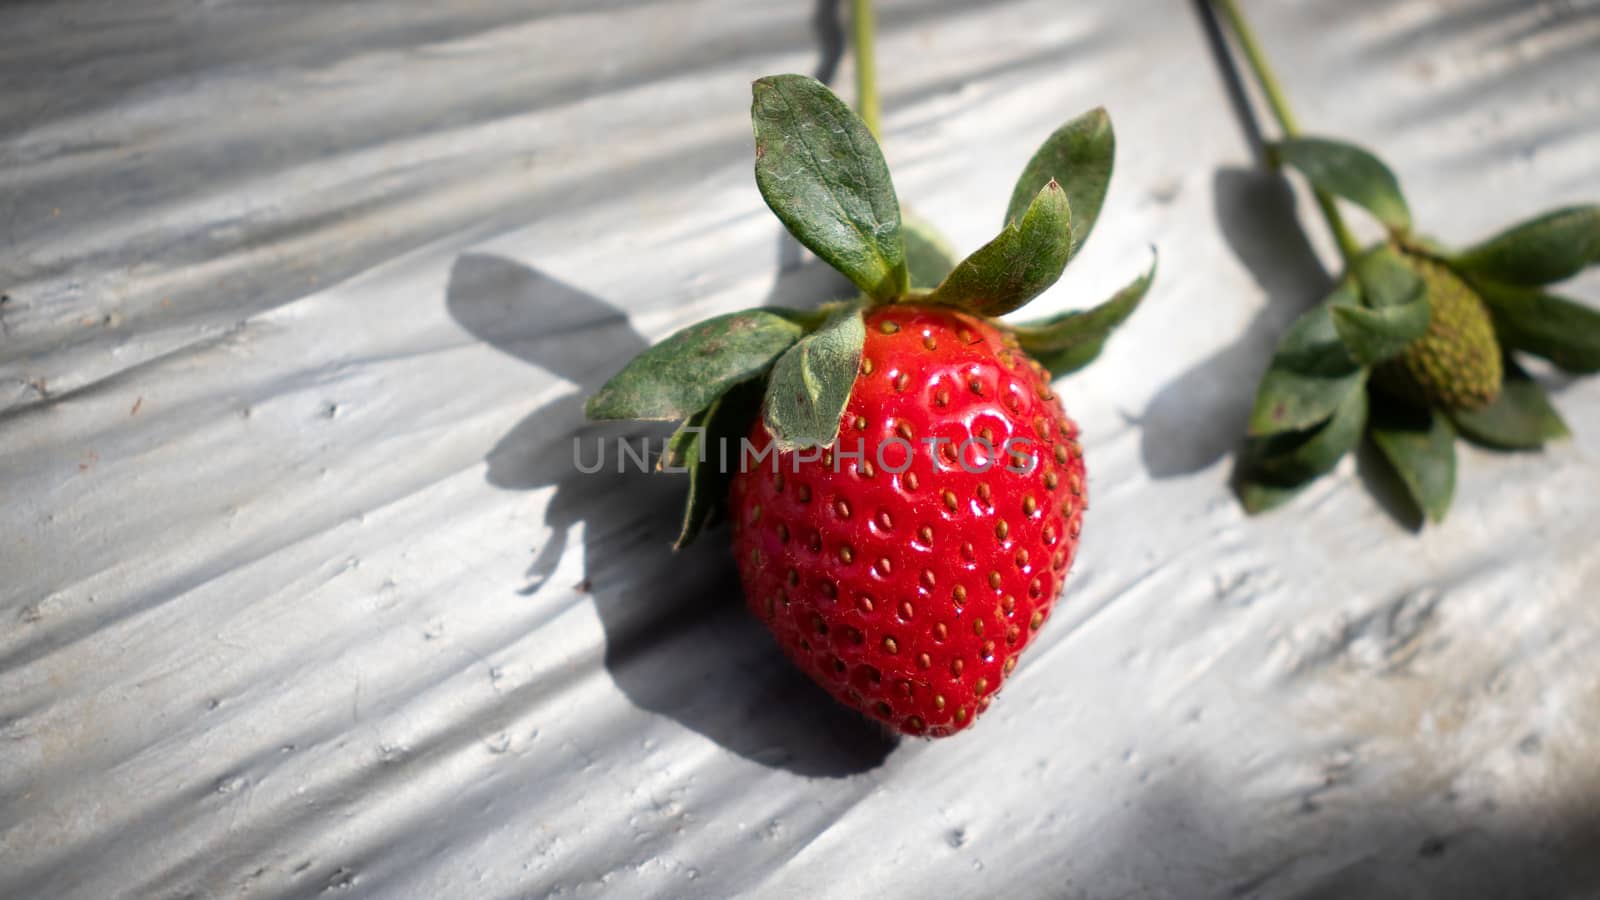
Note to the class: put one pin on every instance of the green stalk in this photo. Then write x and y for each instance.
(866, 71)
(1348, 248)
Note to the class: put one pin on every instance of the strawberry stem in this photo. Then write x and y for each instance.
(866, 71)
(1277, 100)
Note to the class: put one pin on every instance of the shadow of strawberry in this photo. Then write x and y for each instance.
(679, 642)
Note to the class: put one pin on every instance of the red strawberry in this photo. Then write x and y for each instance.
(910, 596)
(906, 492)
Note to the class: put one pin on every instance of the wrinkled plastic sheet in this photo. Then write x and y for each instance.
(300, 591)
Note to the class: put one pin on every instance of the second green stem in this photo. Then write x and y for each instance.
(1348, 248)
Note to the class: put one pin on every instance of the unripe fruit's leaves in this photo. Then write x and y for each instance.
(1521, 418)
(825, 178)
(1311, 372)
(1396, 310)
(1274, 469)
(1259, 496)
(1293, 458)
(1421, 446)
(682, 375)
(1053, 336)
(1079, 157)
(700, 446)
(1025, 258)
(1548, 248)
(1387, 279)
(1349, 172)
(1374, 335)
(811, 383)
(1563, 331)
(928, 257)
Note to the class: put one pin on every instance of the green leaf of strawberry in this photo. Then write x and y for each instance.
(1311, 372)
(682, 375)
(1063, 333)
(1396, 310)
(1299, 458)
(1258, 496)
(1521, 418)
(1386, 278)
(1349, 172)
(825, 178)
(1542, 250)
(1420, 445)
(702, 446)
(811, 382)
(685, 446)
(1281, 463)
(1563, 331)
(686, 453)
(1374, 335)
(1078, 156)
(1025, 258)
(1078, 337)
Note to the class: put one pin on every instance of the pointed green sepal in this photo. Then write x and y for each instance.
(1563, 331)
(1542, 250)
(1059, 334)
(822, 173)
(1520, 418)
(1025, 258)
(1387, 279)
(1293, 457)
(1374, 335)
(684, 445)
(1420, 446)
(811, 382)
(1311, 372)
(702, 447)
(1350, 172)
(1258, 497)
(1395, 311)
(686, 453)
(680, 376)
(1079, 157)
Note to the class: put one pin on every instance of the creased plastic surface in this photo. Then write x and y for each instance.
(300, 592)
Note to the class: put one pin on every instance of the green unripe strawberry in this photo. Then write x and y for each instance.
(1456, 365)
(1412, 323)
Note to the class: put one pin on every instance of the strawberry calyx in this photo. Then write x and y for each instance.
(823, 175)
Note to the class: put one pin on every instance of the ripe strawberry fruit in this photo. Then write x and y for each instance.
(909, 595)
(905, 490)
